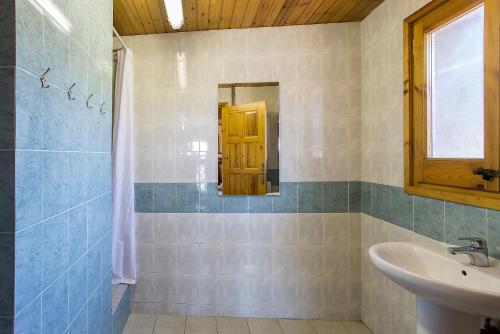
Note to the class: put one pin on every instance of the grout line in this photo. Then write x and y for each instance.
(279, 325)
(248, 326)
(312, 326)
(154, 326)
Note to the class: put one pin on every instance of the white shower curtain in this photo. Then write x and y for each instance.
(124, 270)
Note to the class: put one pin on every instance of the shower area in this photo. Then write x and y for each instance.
(123, 235)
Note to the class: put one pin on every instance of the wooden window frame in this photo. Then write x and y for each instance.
(449, 179)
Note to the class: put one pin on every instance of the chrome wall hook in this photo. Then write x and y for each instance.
(100, 108)
(89, 106)
(70, 92)
(43, 78)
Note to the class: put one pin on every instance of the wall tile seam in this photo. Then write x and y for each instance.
(66, 211)
(59, 151)
(98, 243)
(40, 295)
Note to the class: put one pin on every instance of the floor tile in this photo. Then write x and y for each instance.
(296, 326)
(139, 324)
(227, 325)
(201, 325)
(170, 324)
(356, 327)
(328, 327)
(264, 326)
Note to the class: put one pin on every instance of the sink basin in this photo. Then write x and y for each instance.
(454, 288)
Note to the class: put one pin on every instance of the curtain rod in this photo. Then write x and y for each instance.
(119, 38)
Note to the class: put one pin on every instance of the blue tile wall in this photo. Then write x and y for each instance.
(260, 204)
(55, 310)
(29, 320)
(310, 197)
(55, 250)
(442, 221)
(79, 324)
(29, 37)
(29, 111)
(336, 197)
(60, 202)
(429, 217)
(210, 202)
(294, 197)
(355, 196)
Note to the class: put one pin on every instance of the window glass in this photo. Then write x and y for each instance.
(456, 88)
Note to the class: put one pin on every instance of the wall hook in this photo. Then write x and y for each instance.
(43, 78)
(89, 106)
(100, 108)
(70, 93)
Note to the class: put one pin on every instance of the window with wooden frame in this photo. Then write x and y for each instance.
(452, 101)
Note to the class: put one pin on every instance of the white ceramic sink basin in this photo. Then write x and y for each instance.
(441, 279)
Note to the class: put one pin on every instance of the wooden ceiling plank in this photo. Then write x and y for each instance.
(273, 13)
(226, 14)
(118, 22)
(130, 16)
(339, 10)
(138, 17)
(203, 14)
(145, 16)
(286, 9)
(332, 11)
(190, 15)
(260, 16)
(238, 13)
(365, 10)
(215, 13)
(297, 11)
(362, 4)
(321, 11)
(155, 12)
(251, 13)
(309, 11)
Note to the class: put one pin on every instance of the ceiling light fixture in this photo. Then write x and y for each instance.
(174, 13)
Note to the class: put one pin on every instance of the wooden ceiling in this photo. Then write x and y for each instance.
(139, 17)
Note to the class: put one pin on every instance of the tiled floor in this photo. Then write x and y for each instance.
(167, 324)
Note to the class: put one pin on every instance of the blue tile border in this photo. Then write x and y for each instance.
(436, 219)
(294, 197)
(439, 220)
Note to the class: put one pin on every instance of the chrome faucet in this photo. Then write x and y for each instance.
(477, 251)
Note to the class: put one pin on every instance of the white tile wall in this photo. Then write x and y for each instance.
(287, 265)
(318, 68)
(382, 91)
(266, 265)
(386, 308)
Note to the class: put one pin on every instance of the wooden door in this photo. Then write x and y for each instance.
(244, 149)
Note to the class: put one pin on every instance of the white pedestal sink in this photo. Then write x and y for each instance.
(451, 295)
